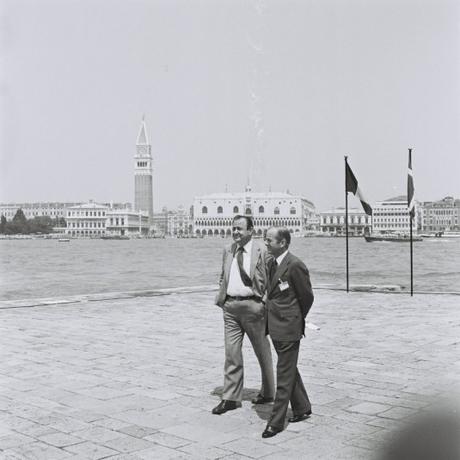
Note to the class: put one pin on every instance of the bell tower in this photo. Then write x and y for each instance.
(143, 174)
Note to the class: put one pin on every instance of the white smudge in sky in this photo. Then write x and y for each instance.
(255, 42)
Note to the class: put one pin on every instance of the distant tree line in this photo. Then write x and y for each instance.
(21, 225)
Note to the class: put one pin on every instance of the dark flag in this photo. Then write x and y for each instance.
(410, 188)
(352, 186)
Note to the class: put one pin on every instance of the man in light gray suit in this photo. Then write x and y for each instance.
(243, 283)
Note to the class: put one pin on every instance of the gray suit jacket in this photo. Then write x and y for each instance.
(258, 270)
(289, 299)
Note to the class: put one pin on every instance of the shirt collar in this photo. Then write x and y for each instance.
(248, 246)
(280, 258)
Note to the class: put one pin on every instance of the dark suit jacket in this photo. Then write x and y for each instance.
(287, 308)
(258, 270)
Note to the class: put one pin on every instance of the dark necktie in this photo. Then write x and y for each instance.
(273, 268)
(244, 276)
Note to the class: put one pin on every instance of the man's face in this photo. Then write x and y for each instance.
(274, 247)
(241, 235)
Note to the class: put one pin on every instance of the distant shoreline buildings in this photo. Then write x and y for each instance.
(49, 208)
(211, 215)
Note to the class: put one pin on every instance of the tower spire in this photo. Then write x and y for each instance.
(142, 138)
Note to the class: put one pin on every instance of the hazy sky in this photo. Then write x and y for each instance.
(278, 91)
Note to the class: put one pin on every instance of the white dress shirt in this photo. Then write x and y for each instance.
(236, 287)
(280, 258)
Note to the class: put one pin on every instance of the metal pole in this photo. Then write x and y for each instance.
(411, 259)
(346, 223)
(410, 186)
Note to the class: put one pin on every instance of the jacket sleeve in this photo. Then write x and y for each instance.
(266, 260)
(302, 286)
(221, 277)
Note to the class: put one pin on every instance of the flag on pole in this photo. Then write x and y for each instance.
(352, 186)
(410, 188)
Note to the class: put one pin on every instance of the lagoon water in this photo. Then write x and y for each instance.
(48, 268)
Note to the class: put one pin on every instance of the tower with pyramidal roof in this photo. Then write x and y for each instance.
(143, 174)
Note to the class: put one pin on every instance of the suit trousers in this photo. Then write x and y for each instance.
(240, 317)
(289, 385)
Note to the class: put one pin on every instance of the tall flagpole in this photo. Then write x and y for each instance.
(411, 217)
(411, 260)
(346, 221)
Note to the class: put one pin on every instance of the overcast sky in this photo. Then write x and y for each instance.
(274, 91)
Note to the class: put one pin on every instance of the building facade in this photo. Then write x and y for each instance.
(143, 174)
(87, 220)
(50, 209)
(31, 210)
(124, 222)
(177, 222)
(213, 214)
(439, 216)
(93, 220)
(393, 216)
(332, 222)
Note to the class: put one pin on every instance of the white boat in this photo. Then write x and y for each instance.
(392, 237)
(64, 240)
(449, 234)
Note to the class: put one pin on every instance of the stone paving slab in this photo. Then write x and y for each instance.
(137, 377)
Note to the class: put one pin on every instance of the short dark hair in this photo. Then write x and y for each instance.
(283, 233)
(248, 219)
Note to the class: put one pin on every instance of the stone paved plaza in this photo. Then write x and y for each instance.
(137, 377)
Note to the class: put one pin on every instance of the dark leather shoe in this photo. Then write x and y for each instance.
(271, 431)
(299, 418)
(259, 399)
(224, 406)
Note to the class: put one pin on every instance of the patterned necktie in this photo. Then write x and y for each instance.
(244, 276)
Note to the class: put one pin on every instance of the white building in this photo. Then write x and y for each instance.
(213, 214)
(123, 222)
(173, 222)
(49, 209)
(93, 220)
(393, 216)
(333, 222)
(87, 220)
(180, 222)
(31, 210)
(438, 216)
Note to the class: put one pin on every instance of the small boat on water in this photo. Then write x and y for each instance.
(63, 240)
(449, 234)
(392, 237)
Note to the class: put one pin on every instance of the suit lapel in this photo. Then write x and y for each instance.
(255, 253)
(280, 271)
(228, 262)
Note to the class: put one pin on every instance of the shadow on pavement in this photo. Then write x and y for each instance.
(262, 410)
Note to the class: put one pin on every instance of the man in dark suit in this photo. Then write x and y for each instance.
(289, 298)
(243, 283)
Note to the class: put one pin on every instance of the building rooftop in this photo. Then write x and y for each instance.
(224, 195)
(397, 198)
(254, 195)
(342, 211)
(90, 205)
